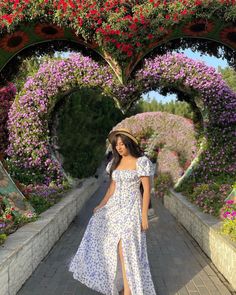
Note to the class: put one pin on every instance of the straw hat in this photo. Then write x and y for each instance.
(124, 131)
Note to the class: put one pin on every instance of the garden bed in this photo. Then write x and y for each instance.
(24, 249)
(205, 229)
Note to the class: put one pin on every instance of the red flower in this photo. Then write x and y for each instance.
(133, 27)
(80, 21)
(198, 3)
(72, 5)
(167, 16)
(93, 11)
(176, 17)
(8, 216)
(8, 18)
(184, 12)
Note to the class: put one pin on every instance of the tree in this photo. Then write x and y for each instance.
(229, 75)
(174, 107)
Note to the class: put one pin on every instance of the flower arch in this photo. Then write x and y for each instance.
(215, 100)
(29, 146)
(205, 89)
(164, 136)
(123, 32)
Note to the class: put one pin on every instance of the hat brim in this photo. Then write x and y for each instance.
(115, 132)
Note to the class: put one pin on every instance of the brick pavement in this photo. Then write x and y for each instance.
(178, 265)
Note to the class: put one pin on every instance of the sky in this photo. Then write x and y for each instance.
(209, 60)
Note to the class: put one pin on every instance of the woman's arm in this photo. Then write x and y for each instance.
(108, 194)
(146, 200)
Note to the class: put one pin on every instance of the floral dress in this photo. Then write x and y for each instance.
(96, 262)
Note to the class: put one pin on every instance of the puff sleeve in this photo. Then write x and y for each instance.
(108, 167)
(144, 166)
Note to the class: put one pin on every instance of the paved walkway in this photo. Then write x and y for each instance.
(178, 265)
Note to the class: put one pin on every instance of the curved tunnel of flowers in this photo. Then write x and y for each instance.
(203, 153)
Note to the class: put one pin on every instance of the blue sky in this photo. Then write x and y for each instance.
(209, 60)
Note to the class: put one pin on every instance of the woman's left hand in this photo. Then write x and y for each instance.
(144, 222)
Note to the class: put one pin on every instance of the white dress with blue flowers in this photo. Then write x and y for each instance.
(96, 262)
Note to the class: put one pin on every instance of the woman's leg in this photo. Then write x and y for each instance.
(126, 286)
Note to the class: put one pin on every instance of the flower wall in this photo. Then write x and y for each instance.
(7, 94)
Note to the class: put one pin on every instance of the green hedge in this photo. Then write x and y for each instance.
(85, 119)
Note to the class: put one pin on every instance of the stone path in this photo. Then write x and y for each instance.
(178, 265)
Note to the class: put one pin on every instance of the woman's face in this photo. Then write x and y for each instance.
(121, 148)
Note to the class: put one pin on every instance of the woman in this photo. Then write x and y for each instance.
(112, 256)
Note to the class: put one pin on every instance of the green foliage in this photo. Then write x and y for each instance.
(24, 175)
(229, 228)
(2, 238)
(85, 119)
(209, 197)
(11, 218)
(162, 183)
(40, 204)
(29, 67)
(229, 75)
(173, 107)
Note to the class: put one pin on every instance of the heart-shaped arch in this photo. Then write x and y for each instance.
(215, 100)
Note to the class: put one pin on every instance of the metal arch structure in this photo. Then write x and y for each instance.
(31, 34)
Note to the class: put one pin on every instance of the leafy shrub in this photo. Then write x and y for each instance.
(42, 196)
(40, 205)
(2, 238)
(162, 183)
(84, 120)
(210, 196)
(11, 218)
(229, 228)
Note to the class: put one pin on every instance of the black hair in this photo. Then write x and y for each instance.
(133, 148)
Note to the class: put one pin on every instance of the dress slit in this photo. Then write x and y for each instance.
(118, 280)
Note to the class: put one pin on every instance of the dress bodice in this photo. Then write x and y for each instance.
(128, 181)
